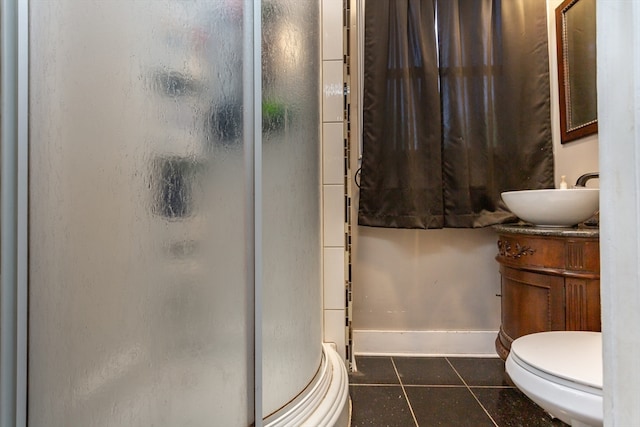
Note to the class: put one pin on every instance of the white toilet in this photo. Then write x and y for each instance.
(562, 372)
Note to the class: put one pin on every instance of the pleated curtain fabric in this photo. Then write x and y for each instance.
(478, 123)
(401, 177)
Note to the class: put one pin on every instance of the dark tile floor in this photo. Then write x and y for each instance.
(439, 391)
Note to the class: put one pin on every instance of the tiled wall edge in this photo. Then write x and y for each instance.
(335, 322)
(335, 329)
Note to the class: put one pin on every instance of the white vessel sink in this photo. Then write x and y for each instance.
(552, 207)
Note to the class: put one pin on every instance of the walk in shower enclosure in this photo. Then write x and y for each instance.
(173, 204)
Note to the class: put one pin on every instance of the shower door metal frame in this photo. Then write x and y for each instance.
(252, 122)
(14, 213)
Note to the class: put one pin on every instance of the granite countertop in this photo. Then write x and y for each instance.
(525, 228)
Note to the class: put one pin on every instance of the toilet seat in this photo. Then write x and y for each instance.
(571, 358)
(561, 372)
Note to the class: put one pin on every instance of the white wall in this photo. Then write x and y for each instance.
(619, 115)
(424, 280)
(443, 280)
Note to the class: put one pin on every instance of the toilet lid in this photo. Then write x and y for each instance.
(571, 355)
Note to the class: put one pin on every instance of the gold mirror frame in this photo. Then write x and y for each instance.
(576, 47)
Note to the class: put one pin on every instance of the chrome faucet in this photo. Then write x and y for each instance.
(582, 180)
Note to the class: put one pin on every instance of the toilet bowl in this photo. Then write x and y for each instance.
(562, 372)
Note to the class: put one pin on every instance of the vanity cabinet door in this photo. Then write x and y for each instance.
(582, 304)
(531, 302)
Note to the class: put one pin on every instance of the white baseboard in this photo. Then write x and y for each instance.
(425, 343)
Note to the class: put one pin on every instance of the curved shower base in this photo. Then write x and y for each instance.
(324, 402)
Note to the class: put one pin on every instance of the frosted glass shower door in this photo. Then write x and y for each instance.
(139, 293)
(292, 324)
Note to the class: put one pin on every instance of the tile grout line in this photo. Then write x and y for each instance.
(376, 385)
(472, 393)
(415, 420)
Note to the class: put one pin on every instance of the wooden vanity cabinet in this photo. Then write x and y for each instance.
(550, 281)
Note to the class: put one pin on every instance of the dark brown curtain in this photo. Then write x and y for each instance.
(494, 109)
(401, 177)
